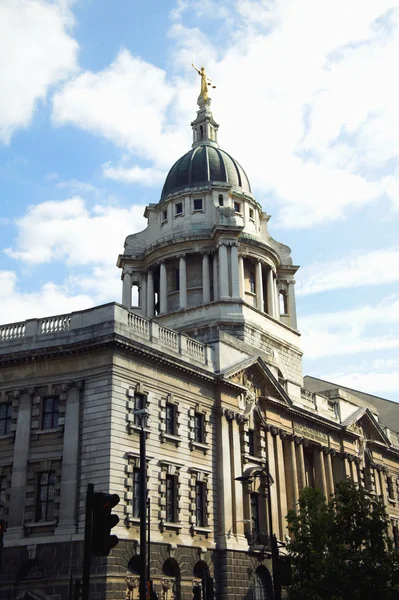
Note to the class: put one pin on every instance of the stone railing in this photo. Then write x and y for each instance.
(12, 331)
(109, 318)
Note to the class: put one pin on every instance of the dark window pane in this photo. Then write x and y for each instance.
(45, 496)
(179, 208)
(199, 428)
(254, 512)
(51, 409)
(170, 419)
(170, 498)
(138, 405)
(136, 493)
(251, 442)
(199, 504)
(5, 419)
(198, 204)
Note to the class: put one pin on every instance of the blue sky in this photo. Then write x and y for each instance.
(96, 104)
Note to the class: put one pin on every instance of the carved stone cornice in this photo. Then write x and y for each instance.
(274, 431)
(298, 440)
(22, 392)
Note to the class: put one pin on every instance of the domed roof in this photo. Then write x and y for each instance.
(203, 165)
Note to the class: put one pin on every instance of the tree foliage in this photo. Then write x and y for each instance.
(341, 550)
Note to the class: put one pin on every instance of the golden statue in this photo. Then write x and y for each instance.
(203, 98)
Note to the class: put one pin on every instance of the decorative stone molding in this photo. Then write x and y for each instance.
(241, 419)
(21, 391)
(274, 431)
(72, 384)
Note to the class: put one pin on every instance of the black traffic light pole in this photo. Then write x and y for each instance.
(87, 543)
(143, 520)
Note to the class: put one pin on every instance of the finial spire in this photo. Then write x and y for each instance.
(203, 99)
(205, 128)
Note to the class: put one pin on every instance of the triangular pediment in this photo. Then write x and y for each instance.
(363, 422)
(254, 375)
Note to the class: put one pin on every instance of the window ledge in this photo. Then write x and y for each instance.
(52, 430)
(169, 525)
(254, 459)
(133, 521)
(45, 526)
(169, 437)
(200, 530)
(6, 436)
(392, 500)
(199, 446)
(137, 428)
(164, 222)
(179, 215)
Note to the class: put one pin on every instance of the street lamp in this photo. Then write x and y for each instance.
(142, 415)
(264, 473)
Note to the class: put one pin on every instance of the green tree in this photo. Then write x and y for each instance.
(341, 550)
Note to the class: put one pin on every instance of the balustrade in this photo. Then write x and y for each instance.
(138, 323)
(55, 324)
(12, 332)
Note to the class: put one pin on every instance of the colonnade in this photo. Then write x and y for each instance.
(294, 462)
(223, 278)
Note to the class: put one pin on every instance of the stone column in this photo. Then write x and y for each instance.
(206, 282)
(70, 460)
(163, 299)
(143, 294)
(300, 462)
(223, 272)
(276, 299)
(320, 471)
(127, 289)
(273, 488)
(20, 464)
(270, 293)
(216, 294)
(353, 468)
(345, 465)
(182, 282)
(329, 473)
(383, 485)
(235, 276)
(241, 276)
(281, 485)
(292, 304)
(259, 286)
(291, 474)
(150, 294)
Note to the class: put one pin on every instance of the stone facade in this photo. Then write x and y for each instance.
(209, 345)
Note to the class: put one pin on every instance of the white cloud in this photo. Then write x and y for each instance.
(312, 111)
(125, 103)
(150, 176)
(371, 268)
(50, 300)
(69, 231)
(37, 53)
(377, 382)
(359, 330)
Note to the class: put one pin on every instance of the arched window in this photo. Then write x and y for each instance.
(203, 582)
(282, 296)
(170, 580)
(135, 295)
(262, 589)
(221, 200)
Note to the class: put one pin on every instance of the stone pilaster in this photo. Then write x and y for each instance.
(20, 463)
(127, 289)
(282, 489)
(215, 265)
(329, 473)
(234, 271)
(206, 283)
(270, 292)
(223, 272)
(300, 462)
(276, 298)
(70, 459)
(292, 304)
(320, 470)
(271, 460)
(241, 276)
(291, 473)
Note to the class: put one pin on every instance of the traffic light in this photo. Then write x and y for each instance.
(102, 541)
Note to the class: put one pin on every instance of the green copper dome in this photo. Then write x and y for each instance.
(203, 165)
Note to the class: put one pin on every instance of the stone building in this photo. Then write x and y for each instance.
(206, 339)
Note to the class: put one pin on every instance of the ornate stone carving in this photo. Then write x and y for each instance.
(72, 384)
(274, 431)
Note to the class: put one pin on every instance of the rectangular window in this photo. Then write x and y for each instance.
(391, 492)
(45, 496)
(5, 418)
(170, 498)
(237, 207)
(199, 428)
(51, 412)
(197, 204)
(221, 200)
(200, 504)
(251, 442)
(136, 494)
(170, 419)
(138, 405)
(179, 208)
(395, 534)
(251, 214)
(177, 280)
(164, 215)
